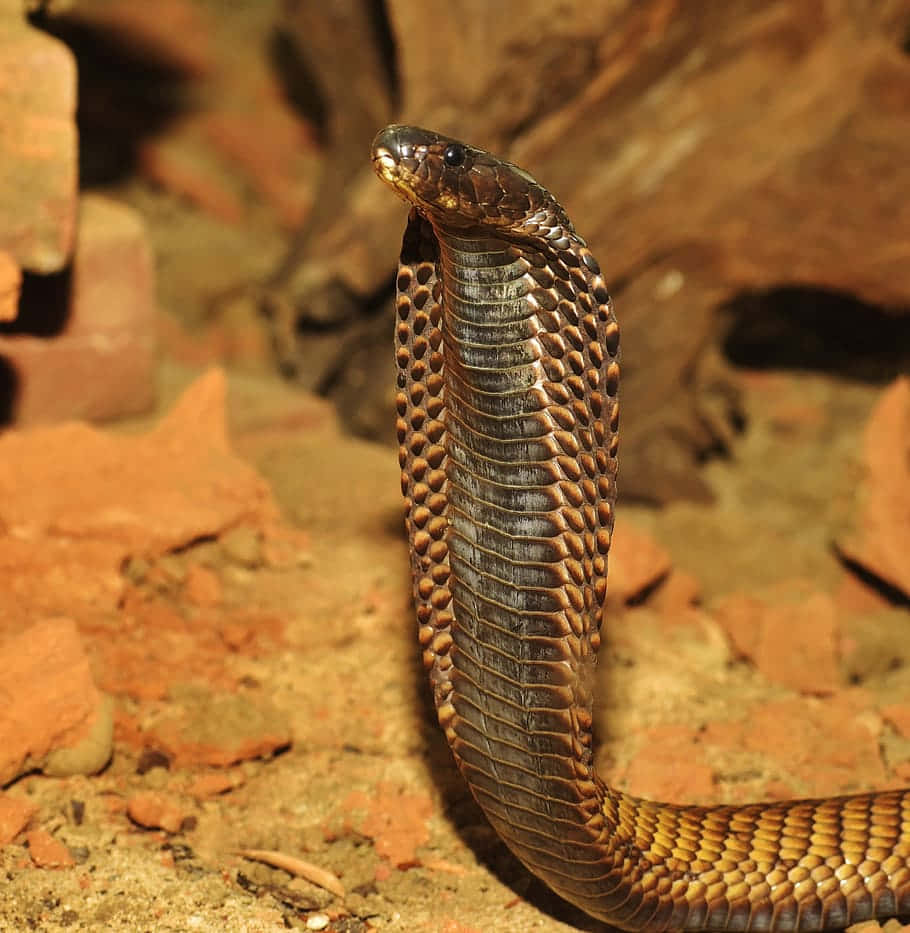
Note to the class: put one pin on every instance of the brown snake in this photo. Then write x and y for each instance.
(507, 395)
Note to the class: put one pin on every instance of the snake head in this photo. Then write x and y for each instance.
(455, 185)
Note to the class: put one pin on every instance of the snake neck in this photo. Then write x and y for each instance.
(530, 493)
(524, 623)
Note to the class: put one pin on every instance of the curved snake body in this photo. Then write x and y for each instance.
(507, 353)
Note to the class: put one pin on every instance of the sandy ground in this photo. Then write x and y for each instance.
(318, 644)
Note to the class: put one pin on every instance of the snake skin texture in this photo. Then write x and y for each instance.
(508, 374)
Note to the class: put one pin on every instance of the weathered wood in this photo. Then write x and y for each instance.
(702, 150)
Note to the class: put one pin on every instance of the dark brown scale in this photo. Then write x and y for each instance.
(508, 421)
(576, 362)
(612, 383)
(420, 455)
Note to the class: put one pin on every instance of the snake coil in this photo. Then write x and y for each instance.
(508, 373)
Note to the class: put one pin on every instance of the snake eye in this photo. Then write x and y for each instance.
(454, 155)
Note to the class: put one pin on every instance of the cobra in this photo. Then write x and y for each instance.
(508, 374)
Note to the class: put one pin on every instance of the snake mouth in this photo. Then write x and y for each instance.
(386, 166)
(387, 152)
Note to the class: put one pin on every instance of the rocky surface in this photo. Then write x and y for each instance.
(701, 154)
(54, 718)
(712, 159)
(10, 285)
(83, 342)
(275, 759)
(38, 151)
(880, 541)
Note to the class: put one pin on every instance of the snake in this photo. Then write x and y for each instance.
(507, 356)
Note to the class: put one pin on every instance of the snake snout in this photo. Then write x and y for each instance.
(398, 143)
(386, 144)
(396, 153)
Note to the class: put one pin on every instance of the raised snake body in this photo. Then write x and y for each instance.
(507, 352)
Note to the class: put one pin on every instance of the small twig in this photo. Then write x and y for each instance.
(297, 867)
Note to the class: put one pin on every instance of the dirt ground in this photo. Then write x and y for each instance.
(289, 676)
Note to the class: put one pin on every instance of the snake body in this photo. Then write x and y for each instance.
(508, 373)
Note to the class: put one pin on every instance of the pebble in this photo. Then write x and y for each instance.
(155, 810)
(15, 814)
(48, 852)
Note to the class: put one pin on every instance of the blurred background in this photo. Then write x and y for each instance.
(742, 171)
(216, 587)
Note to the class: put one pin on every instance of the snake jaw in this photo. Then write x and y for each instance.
(388, 169)
(385, 165)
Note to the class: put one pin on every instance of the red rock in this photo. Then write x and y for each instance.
(676, 596)
(666, 767)
(37, 148)
(156, 810)
(48, 852)
(77, 378)
(10, 284)
(445, 866)
(100, 364)
(214, 784)
(113, 289)
(202, 586)
(231, 338)
(778, 790)
(898, 714)
(215, 158)
(217, 729)
(396, 821)
(51, 700)
(880, 542)
(829, 745)
(191, 350)
(114, 805)
(237, 635)
(15, 814)
(145, 494)
(76, 504)
(853, 595)
(794, 645)
(284, 546)
(636, 562)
